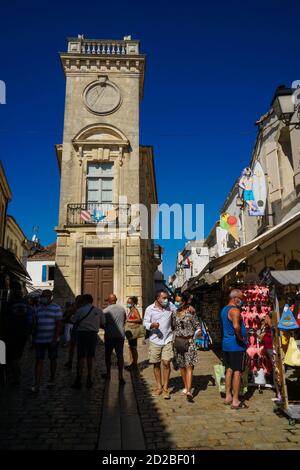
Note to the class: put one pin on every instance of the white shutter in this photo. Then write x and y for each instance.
(100, 184)
(273, 171)
(93, 190)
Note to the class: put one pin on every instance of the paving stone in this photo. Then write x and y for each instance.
(49, 421)
(208, 424)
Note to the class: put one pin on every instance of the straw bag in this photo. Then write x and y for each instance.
(134, 330)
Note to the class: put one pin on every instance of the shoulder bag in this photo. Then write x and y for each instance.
(77, 323)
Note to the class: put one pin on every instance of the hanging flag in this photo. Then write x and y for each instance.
(98, 215)
(111, 215)
(85, 216)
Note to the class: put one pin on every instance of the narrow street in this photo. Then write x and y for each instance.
(129, 418)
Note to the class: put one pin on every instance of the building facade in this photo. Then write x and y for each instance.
(105, 175)
(277, 231)
(41, 267)
(15, 240)
(5, 197)
(190, 262)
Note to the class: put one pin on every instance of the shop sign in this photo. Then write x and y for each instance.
(254, 188)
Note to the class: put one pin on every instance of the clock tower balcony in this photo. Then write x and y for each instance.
(105, 214)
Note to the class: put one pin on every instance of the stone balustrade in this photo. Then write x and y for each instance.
(80, 45)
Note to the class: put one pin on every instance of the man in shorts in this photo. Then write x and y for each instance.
(48, 322)
(87, 322)
(158, 321)
(234, 348)
(114, 327)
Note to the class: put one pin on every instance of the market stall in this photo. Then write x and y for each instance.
(285, 323)
(256, 308)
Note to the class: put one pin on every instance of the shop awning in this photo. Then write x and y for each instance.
(286, 278)
(236, 256)
(9, 261)
(211, 278)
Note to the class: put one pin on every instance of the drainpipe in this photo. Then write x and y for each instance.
(243, 226)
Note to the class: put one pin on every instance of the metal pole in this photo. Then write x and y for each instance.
(243, 227)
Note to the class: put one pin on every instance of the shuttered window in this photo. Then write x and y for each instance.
(100, 183)
(273, 171)
(44, 273)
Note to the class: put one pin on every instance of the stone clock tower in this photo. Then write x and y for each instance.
(100, 161)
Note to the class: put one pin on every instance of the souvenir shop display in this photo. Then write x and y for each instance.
(209, 306)
(203, 342)
(254, 311)
(286, 342)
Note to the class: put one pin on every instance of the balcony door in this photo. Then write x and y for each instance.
(100, 186)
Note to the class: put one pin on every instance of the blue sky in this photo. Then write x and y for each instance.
(212, 68)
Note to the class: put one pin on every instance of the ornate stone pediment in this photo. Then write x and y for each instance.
(100, 141)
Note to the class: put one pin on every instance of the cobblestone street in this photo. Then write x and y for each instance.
(63, 418)
(208, 423)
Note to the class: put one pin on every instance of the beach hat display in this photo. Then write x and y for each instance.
(287, 320)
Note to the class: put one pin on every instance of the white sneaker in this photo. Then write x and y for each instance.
(183, 391)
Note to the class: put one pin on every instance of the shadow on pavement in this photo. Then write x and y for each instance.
(56, 419)
(200, 383)
(155, 432)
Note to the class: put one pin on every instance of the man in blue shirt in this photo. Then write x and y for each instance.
(234, 348)
(47, 331)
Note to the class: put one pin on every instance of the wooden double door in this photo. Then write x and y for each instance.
(98, 280)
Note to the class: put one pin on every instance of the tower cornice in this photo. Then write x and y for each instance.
(86, 56)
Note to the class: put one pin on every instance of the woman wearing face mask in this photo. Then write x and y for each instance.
(186, 326)
(133, 317)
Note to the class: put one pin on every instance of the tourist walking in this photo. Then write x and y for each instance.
(87, 322)
(133, 317)
(157, 320)
(234, 348)
(186, 327)
(67, 324)
(73, 340)
(18, 324)
(114, 328)
(48, 321)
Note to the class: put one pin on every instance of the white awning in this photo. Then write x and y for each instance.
(210, 278)
(286, 277)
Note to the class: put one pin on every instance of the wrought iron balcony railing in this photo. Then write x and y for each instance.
(91, 213)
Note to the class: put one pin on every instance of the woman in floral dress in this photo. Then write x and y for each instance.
(186, 326)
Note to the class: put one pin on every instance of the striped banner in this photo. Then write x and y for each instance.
(85, 215)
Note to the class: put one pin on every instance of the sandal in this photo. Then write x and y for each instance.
(227, 403)
(189, 397)
(240, 406)
(156, 392)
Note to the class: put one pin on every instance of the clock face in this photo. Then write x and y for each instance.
(102, 97)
